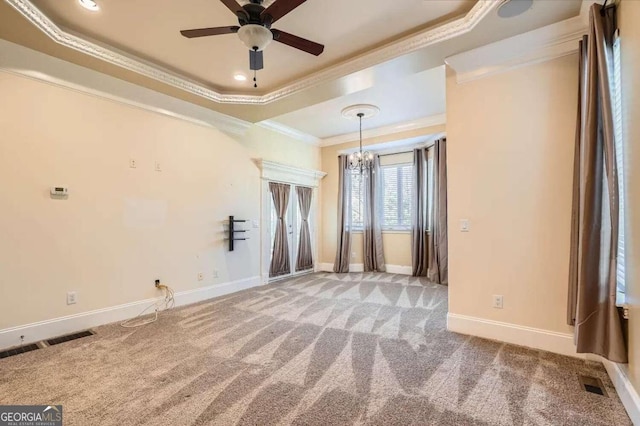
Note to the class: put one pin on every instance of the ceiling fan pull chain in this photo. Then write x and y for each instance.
(255, 80)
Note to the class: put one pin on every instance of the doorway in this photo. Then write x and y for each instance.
(291, 225)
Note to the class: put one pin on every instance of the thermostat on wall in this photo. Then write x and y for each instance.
(59, 190)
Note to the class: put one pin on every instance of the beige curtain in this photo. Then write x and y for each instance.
(372, 230)
(343, 251)
(280, 264)
(305, 254)
(438, 266)
(419, 231)
(592, 287)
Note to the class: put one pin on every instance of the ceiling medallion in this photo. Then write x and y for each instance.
(360, 160)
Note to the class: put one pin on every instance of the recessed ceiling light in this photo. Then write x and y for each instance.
(240, 77)
(89, 4)
(512, 8)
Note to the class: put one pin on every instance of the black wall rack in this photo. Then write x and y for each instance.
(233, 231)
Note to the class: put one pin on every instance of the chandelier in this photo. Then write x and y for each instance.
(360, 160)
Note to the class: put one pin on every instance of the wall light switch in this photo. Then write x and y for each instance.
(72, 298)
(464, 225)
(158, 167)
(497, 301)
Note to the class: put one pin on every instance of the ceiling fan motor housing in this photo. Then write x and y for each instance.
(251, 15)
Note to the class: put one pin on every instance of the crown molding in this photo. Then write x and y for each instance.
(390, 51)
(433, 120)
(543, 44)
(279, 172)
(25, 62)
(290, 132)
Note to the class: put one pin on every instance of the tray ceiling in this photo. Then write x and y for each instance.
(150, 29)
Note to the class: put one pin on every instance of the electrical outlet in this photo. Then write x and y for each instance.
(132, 163)
(215, 273)
(200, 276)
(464, 225)
(497, 301)
(72, 298)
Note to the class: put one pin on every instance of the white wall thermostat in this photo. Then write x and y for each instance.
(59, 191)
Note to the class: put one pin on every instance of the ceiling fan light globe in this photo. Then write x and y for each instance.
(255, 37)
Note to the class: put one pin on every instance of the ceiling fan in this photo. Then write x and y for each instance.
(255, 29)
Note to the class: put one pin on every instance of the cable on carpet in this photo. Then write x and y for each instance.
(167, 302)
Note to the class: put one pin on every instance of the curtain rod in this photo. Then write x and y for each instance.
(396, 153)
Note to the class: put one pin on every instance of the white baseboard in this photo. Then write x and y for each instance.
(324, 267)
(356, 267)
(398, 269)
(359, 267)
(627, 393)
(43, 330)
(536, 338)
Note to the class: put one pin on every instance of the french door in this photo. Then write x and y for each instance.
(289, 219)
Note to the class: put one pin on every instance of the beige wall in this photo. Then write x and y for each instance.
(121, 227)
(397, 245)
(628, 19)
(510, 141)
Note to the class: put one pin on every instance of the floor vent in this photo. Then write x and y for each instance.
(69, 337)
(593, 385)
(19, 350)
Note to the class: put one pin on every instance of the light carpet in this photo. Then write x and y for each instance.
(322, 349)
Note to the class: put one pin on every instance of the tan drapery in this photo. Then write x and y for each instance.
(343, 251)
(305, 253)
(438, 265)
(419, 231)
(373, 251)
(592, 286)
(280, 264)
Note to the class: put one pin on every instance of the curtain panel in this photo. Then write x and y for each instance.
(419, 232)
(372, 230)
(594, 240)
(304, 260)
(438, 269)
(343, 251)
(280, 264)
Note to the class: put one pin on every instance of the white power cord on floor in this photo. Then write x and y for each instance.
(161, 305)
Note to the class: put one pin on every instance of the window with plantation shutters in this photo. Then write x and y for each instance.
(397, 196)
(616, 91)
(357, 206)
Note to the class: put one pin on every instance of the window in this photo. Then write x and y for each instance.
(357, 206)
(616, 91)
(397, 196)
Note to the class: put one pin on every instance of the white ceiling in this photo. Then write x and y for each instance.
(420, 95)
(150, 29)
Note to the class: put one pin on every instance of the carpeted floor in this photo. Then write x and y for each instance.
(322, 349)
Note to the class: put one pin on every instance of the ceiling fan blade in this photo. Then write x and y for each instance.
(279, 8)
(203, 32)
(233, 6)
(298, 42)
